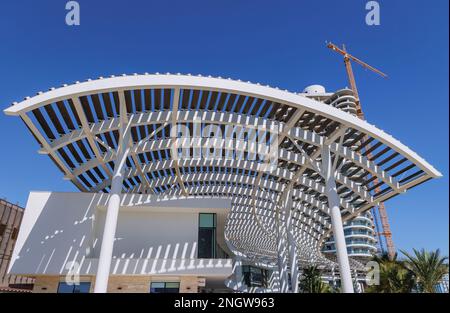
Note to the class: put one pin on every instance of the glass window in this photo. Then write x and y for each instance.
(207, 236)
(206, 243)
(158, 285)
(165, 287)
(172, 285)
(207, 220)
(82, 287)
(255, 276)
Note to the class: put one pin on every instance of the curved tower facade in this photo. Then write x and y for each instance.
(360, 233)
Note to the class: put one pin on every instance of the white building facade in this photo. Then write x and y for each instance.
(156, 241)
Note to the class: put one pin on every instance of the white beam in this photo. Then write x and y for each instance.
(173, 134)
(89, 135)
(67, 172)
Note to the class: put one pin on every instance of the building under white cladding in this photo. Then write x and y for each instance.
(177, 195)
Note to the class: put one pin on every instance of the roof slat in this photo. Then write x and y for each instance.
(65, 115)
(108, 105)
(44, 125)
(87, 109)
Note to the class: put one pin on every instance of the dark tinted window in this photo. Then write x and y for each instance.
(254, 276)
(207, 236)
(164, 287)
(82, 287)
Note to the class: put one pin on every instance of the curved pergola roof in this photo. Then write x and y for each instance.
(78, 127)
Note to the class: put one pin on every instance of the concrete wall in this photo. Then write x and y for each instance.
(61, 233)
(152, 235)
(120, 284)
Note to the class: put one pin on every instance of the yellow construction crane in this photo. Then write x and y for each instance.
(351, 78)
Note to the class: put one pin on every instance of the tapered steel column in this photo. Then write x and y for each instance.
(291, 242)
(112, 213)
(281, 249)
(336, 221)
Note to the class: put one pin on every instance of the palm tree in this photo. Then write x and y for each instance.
(428, 268)
(311, 281)
(394, 276)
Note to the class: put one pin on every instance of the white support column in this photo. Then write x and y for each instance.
(333, 277)
(356, 284)
(291, 242)
(281, 249)
(238, 273)
(336, 221)
(112, 213)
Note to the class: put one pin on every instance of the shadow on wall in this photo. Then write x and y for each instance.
(60, 235)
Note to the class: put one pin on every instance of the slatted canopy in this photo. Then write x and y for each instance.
(77, 126)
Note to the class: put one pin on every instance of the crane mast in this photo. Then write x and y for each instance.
(348, 58)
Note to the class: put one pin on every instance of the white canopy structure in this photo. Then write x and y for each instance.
(115, 135)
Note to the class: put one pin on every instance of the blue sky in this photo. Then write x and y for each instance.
(280, 43)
